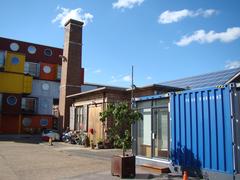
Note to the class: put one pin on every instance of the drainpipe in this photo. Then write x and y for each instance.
(103, 109)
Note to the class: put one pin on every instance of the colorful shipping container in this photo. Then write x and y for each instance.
(204, 131)
(14, 62)
(48, 71)
(10, 123)
(29, 84)
(45, 88)
(36, 123)
(11, 104)
(15, 83)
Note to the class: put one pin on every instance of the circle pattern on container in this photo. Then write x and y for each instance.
(27, 122)
(43, 122)
(48, 52)
(32, 49)
(12, 100)
(15, 60)
(14, 46)
(47, 69)
(45, 86)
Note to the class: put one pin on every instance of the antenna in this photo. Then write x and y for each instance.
(132, 96)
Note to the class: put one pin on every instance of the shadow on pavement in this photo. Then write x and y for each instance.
(32, 139)
(145, 176)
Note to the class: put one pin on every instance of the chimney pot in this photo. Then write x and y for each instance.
(72, 21)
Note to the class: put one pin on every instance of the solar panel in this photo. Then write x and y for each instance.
(205, 80)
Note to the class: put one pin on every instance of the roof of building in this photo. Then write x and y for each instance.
(102, 85)
(40, 51)
(103, 88)
(205, 80)
(157, 86)
(100, 89)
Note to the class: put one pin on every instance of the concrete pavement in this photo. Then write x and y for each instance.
(26, 158)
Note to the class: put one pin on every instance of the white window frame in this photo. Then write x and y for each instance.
(23, 106)
(27, 69)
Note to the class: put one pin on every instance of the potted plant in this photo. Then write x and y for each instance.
(100, 144)
(121, 117)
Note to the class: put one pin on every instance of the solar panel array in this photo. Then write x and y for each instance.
(205, 80)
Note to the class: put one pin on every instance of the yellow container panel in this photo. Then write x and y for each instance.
(27, 88)
(15, 83)
(14, 62)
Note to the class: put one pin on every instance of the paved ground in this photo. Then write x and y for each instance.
(25, 157)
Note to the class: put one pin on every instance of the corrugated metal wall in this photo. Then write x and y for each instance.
(45, 88)
(14, 62)
(201, 129)
(11, 104)
(236, 126)
(45, 91)
(15, 83)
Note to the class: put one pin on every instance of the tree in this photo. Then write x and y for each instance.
(122, 116)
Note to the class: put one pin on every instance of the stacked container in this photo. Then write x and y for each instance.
(29, 76)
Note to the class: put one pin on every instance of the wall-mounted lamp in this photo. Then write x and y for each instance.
(94, 103)
(64, 59)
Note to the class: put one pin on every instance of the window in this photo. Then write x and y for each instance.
(47, 69)
(12, 100)
(43, 122)
(48, 52)
(2, 58)
(32, 49)
(59, 70)
(14, 46)
(15, 60)
(45, 86)
(26, 122)
(31, 68)
(29, 104)
(80, 118)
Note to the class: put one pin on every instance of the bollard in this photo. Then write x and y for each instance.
(50, 141)
(185, 175)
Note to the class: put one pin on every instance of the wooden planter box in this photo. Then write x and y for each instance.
(123, 167)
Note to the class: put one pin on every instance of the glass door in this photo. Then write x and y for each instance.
(144, 147)
(160, 133)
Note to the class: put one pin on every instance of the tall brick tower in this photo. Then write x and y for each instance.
(72, 76)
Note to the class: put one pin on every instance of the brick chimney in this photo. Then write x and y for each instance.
(72, 76)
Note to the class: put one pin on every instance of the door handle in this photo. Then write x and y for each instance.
(153, 136)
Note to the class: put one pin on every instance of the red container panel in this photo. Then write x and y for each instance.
(11, 103)
(48, 71)
(36, 123)
(38, 56)
(9, 124)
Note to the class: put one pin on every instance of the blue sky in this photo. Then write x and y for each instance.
(164, 40)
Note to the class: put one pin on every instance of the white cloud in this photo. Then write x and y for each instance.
(127, 78)
(121, 4)
(168, 17)
(232, 64)
(77, 14)
(97, 71)
(201, 36)
(148, 77)
(120, 78)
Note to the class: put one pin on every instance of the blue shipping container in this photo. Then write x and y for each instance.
(205, 130)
